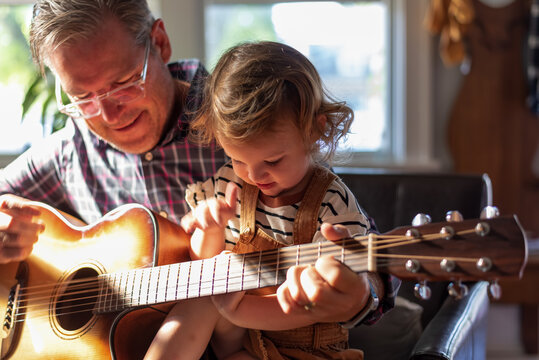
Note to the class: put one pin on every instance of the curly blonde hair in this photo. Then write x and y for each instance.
(254, 83)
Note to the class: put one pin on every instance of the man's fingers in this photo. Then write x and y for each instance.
(337, 275)
(20, 205)
(334, 232)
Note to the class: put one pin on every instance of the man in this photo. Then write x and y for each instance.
(127, 141)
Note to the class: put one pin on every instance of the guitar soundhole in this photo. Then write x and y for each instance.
(74, 307)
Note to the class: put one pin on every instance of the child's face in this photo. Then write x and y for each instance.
(276, 162)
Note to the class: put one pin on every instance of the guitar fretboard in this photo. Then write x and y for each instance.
(222, 274)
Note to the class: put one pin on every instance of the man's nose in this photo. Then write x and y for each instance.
(110, 110)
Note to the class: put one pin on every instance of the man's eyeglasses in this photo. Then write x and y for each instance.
(123, 94)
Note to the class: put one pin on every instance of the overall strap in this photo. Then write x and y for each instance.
(306, 221)
(249, 200)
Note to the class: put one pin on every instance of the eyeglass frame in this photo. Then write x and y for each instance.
(140, 82)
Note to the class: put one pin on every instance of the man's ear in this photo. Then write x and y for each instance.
(160, 40)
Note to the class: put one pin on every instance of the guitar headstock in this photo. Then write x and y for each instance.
(480, 249)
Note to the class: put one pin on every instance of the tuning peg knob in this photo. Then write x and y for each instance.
(422, 291)
(453, 216)
(490, 212)
(457, 290)
(494, 290)
(412, 265)
(421, 219)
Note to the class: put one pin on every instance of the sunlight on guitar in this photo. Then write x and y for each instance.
(101, 291)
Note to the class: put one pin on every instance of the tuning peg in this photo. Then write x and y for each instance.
(447, 265)
(457, 290)
(490, 212)
(421, 219)
(453, 216)
(484, 264)
(412, 265)
(494, 290)
(422, 290)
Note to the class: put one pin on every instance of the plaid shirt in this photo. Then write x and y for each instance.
(75, 171)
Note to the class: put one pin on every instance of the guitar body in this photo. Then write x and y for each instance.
(101, 291)
(53, 325)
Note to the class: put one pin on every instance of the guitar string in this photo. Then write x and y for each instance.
(397, 241)
(202, 288)
(114, 297)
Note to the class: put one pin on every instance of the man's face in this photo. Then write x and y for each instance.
(107, 61)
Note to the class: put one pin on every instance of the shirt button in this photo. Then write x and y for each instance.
(148, 156)
(163, 213)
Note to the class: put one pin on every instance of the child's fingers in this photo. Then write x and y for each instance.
(231, 195)
(189, 222)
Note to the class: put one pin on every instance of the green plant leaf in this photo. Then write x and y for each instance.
(32, 94)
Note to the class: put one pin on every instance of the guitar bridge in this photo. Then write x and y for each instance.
(11, 310)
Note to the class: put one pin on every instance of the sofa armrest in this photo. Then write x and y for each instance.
(458, 331)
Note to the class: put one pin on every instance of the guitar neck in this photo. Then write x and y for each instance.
(225, 273)
(467, 250)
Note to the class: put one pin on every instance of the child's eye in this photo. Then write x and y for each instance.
(272, 163)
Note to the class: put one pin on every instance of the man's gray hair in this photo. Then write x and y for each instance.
(56, 22)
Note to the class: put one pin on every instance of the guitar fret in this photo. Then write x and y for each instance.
(108, 293)
(121, 290)
(129, 289)
(144, 289)
(172, 283)
(235, 273)
(220, 274)
(207, 272)
(116, 289)
(242, 271)
(277, 267)
(137, 286)
(162, 284)
(259, 269)
(194, 279)
(100, 305)
(183, 283)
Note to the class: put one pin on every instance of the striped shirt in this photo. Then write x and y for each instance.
(75, 171)
(339, 206)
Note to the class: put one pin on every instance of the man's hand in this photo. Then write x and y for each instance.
(330, 291)
(18, 231)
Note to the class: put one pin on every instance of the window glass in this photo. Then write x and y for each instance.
(17, 72)
(346, 41)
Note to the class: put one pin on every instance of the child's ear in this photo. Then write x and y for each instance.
(321, 121)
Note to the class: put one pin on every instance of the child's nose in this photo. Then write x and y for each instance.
(257, 174)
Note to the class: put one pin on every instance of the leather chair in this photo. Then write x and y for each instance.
(446, 328)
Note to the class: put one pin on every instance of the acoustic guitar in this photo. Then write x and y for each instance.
(100, 291)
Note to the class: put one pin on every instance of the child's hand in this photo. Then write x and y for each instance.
(212, 214)
(208, 221)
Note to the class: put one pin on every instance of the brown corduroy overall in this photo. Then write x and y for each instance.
(314, 342)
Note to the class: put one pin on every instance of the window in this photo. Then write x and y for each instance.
(16, 74)
(410, 52)
(346, 41)
(401, 77)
